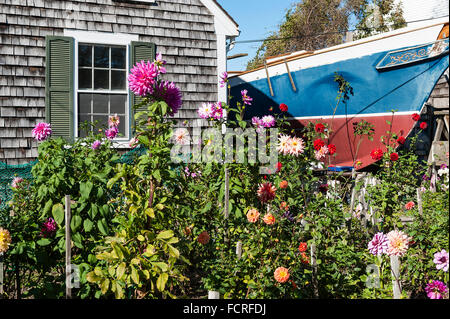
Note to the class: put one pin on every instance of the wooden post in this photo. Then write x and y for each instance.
(419, 201)
(68, 248)
(239, 250)
(290, 76)
(227, 193)
(395, 272)
(268, 78)
(213, 294)
(315, 283)
(433, 177)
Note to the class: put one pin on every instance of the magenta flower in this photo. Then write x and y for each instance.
(256, 121)
(96, 144)
(223, 79)
(142, 78)
(268, 121)
(441, 260)
(436, 290)
(112, 132)
(16, 181)
(206, 110)
(379, 244)
(41, 131)
(169, 93)
(245, 98)
(48, 228)
(160, 63)
(113, 120)
(217, 111)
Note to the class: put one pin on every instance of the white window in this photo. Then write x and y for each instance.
(101, 90)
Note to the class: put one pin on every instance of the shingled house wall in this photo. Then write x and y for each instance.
(183, 31)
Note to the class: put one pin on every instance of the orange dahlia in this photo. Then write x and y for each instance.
(253, 215)
(284, 184)
(269, 219)
(281, 274)
(203, 238)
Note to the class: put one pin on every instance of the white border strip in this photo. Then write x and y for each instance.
(352, 115)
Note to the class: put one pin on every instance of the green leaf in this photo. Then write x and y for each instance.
(104, 286)
(165, 234)
(134, 275)
(161, 282)
(58, 213)
(102, 227)
(75, 223)
(43, 242)
(86, 188)
(120, 271)
(88, 224)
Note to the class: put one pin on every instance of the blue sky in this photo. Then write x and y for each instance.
(256, 19)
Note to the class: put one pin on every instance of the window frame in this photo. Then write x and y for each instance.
(108, 39)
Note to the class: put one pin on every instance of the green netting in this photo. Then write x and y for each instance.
(7, 174)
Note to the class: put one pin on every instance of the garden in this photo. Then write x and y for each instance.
(171, 223)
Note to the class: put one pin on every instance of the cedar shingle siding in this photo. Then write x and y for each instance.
(183, 31)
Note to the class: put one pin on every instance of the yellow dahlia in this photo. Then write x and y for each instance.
(5, 240)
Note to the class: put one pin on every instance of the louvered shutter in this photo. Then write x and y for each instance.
(139, 51)
(59, 86)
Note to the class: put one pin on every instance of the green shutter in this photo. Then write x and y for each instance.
(139, 51)
(59, 86)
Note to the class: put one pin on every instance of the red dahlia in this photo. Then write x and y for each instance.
(423, 125)
(376, 154)
(401, 140)
(318, 144)
(283, 107)
(302, 247)
(415, 117)
(266, 192)
(320, 128)
(331, 149)
(394, 156)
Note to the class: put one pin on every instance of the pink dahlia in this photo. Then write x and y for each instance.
(284, 144)
(245, 98)
(436, 290)
(321, 153)
(256, 121)
(409, 205)
(223, 79)
(169, 93)
(142, 78)
(398, 243)
(217, 111)
(49, 227)
(159, 62)
(113, 120)
(16, 181)
(441, 260)
(379, 244)
(96, 144)
(268, 121)
(296, 146)
(206, 110)
(41, 131)
(266, 192)
(112, 132)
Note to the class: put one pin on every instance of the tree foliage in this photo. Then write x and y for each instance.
(317, 24)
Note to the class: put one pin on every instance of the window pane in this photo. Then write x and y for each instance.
(82, 126)
(117, 80)
(84, 78)
(84, 103)
(118, 104)
(118, 58)
(101, 79)
(101, 57)
(100, 103)
(122, 125)
(102, 122)
(84, 55)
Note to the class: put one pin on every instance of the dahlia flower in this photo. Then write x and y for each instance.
(423, 125)
(331, 149)
(281, 274)
(168, 92)
(181, 136)
(397, 243)
(159, 62)
(142, 78)
(283, 107)
(133, 143)
(284, 144)
(206, 110)
(436, 290)
(409, 205)
(296, 146)
(113, 121)
(217, 111)
(379, 244)
(376, 154)
(415, 117)
(49, 227)
(302, 247)
(112, 132)
(318, 144)
(284, 184)
(266, 192)
(401, 140)
(268, 121)
(96, 144)
(441, 260)
(245, 98)
(393, 157)
(223, 79)
(203, 238)
(269, 219)
(16, 181)
(5, 240)
(253, 215)
(41, 131)
(321, 153)
(319, 128)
